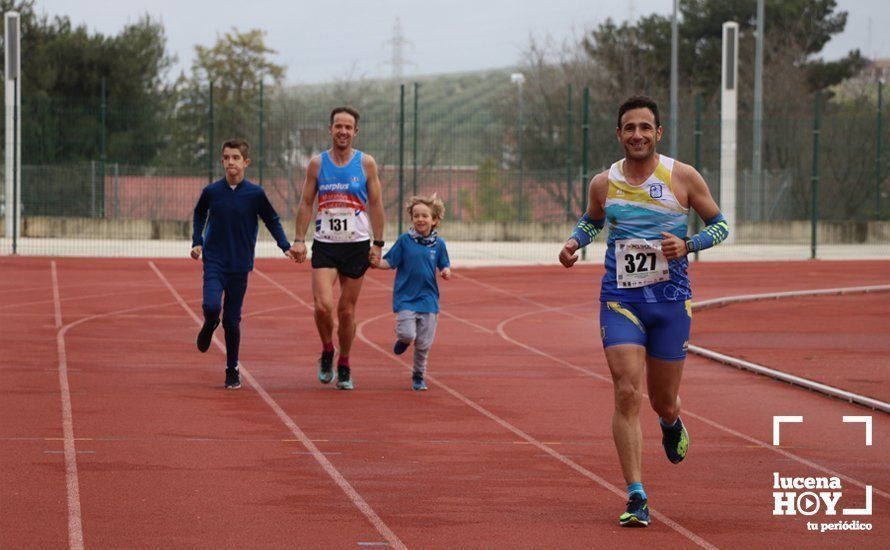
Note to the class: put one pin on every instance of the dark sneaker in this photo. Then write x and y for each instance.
(399, 347)
(206, 335)
(233, 379)
(326, 367)
(417, 383)
(344, 378)
(675, 441)
(637, 514)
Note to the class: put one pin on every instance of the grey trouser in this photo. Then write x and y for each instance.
(419, 328)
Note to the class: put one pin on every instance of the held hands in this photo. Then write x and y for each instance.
(567, 256)
(446, 273)
(297, 252)
(374, 255)
(672, 246)
(196, 252)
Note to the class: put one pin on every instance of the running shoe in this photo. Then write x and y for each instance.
(637, 514)
(417, 382)
(206, 335)
(344, 378)
(676, 441)
(233, 379)
(399, 347)
(326, 367)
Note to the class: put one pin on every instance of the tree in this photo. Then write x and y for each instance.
(63, 67)
(234, 66)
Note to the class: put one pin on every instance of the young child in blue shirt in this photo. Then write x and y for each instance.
(415, 256)
(225, 232)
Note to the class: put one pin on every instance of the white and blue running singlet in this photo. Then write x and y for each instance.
(636, 269)
(342, 201)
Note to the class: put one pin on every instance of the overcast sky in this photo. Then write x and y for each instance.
(319, 41)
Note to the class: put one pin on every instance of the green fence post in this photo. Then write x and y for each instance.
(814, 178)
(98, 196)
(569, 156)
(210, 146)
(585, 145)
(401, 153)
(878, 148)
(698, 134)
(415, 138)
(261, 147)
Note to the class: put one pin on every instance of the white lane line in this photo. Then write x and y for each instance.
(511, 428)
(75, 526)
(686, 411)
(322, 460)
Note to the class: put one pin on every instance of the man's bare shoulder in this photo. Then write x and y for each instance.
(686, 175)
(368, 160)
(600, 181)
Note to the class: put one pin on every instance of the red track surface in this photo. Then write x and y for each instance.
(511, 448)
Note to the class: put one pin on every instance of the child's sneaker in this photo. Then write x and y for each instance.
(417, 382)
(399, 347)
(233, 379)
(344, 378)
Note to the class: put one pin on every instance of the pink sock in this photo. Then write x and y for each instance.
(343, 361)
(327, 347)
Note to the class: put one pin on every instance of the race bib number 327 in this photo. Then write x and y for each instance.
(639, 262)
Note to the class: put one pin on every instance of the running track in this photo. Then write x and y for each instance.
(511, 448)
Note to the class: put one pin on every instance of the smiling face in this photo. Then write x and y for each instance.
(639, 133)
(422, 219)
(343, 130)
(234, 164)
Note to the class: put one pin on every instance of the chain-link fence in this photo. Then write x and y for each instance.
(506, 173)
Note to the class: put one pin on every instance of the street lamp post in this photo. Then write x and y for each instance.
(519, 80)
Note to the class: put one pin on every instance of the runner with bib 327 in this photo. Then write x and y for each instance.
(645, 309)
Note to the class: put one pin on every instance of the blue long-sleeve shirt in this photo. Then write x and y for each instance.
(230, 215)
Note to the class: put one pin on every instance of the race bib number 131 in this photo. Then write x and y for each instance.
(639, 262)
(336, 224)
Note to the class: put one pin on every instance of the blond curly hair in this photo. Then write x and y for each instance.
(433, 202)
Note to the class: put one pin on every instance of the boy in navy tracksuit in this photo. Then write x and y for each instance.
(229, 208)
(415, 256)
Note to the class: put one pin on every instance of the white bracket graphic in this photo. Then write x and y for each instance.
(867, 421)
(778, 421)
(861, 511)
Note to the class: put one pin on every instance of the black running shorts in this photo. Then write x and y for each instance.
(349, 259)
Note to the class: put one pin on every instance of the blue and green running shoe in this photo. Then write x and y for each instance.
(637, 514)
(676, 441)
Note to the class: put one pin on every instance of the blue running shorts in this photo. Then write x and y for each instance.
(662, 328)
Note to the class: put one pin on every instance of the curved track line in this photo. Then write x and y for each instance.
(708, 421)
(508, 426)
(532, 440)
(319, 457)
(741, 364)
(75, 525)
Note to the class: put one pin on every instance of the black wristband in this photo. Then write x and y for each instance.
(378, 243)
(299, 241)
